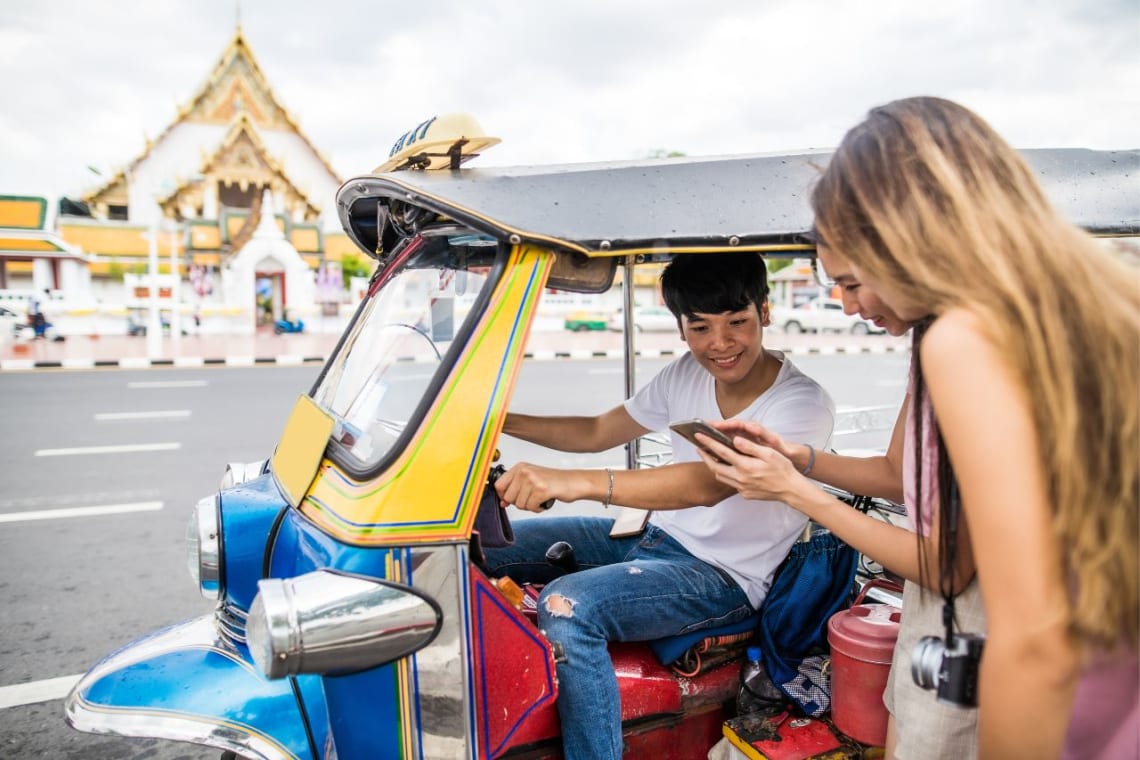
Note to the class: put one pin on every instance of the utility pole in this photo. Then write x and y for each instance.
(154, 321)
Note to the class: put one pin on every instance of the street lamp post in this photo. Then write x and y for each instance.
(154, 321)
(175, 294)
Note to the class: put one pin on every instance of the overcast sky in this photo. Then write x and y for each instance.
(86, 81)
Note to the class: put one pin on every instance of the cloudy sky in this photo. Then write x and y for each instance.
(87, 81)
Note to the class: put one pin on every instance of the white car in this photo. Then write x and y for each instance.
(821, 314)
(645, 318)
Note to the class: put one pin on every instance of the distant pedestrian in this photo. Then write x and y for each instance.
(36, 313)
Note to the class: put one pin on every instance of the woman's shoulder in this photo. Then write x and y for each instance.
(955, 337)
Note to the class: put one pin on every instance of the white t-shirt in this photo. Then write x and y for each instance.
(746, 538)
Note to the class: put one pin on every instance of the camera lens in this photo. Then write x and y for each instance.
(926, 661)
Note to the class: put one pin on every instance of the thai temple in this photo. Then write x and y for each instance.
(231, 194)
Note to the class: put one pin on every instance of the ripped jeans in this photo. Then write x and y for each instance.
(637, 588)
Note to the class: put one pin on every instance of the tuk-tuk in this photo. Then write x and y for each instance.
(353, 618)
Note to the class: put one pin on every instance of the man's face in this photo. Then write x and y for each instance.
(729, 344)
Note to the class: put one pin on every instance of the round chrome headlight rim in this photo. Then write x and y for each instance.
(204, 547)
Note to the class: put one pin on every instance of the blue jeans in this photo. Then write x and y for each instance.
(637, 588)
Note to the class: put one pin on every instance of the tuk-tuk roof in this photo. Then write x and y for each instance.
(688, 204)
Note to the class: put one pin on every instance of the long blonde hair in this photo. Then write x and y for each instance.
(925, 195)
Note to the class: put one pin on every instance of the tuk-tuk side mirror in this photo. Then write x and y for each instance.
(333, 623)
(582, 274)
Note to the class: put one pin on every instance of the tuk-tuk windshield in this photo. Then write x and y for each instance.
(386, 365)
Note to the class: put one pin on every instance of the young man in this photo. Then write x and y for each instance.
(707, 555)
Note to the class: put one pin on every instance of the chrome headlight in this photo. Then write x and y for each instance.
(332, 623)
(204, 547)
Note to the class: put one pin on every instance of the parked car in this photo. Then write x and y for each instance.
(582, 321)
(821, 314)
(645, 318)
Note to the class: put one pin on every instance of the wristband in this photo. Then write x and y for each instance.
(811, 460)
(610, 490)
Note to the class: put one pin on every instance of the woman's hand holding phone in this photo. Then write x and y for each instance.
(755, 466)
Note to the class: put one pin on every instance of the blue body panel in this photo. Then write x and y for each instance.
(187, 684)
(367, 700)
(248, 512)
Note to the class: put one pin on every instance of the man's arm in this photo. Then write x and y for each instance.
(575, 434)
(674, 486)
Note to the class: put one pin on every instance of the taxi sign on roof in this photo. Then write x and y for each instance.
(441, 142)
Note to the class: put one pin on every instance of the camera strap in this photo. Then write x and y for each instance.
(947, 585)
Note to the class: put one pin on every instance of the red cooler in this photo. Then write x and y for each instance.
(862, 640)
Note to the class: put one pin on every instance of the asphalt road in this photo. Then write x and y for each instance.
(76, 585)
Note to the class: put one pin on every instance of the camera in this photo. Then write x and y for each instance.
(953, 671)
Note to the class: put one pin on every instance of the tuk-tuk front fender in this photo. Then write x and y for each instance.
(186, 684)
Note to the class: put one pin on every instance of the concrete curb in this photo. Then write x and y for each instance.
(293, 360)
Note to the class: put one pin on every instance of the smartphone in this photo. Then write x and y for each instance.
(688, 430)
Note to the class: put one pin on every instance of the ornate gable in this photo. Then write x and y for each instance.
(243, 162)
(235, 89)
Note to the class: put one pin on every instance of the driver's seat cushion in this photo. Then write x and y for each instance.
(670, 649)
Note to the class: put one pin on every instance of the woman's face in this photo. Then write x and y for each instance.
(857, 297)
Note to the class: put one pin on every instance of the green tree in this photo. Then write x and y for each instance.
(775, 265)
(353, 265)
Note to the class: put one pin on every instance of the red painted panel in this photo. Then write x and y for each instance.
(515, 690)
(514, 673)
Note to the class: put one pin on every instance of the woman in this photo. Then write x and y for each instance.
(919, 728)
(943, 220)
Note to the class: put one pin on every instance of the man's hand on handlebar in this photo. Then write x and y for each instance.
(534, 488)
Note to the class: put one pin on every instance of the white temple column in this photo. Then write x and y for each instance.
(210, 199)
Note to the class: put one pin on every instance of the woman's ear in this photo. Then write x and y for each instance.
(765, 314)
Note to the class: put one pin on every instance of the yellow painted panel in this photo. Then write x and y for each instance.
(203, 259)
(110, 239)
(336, 245)
(23, 244)
(25, 213)
(432, 490)
(205, 238)
(306, 241)
(233, 224)
(18, 267)
(302, 445)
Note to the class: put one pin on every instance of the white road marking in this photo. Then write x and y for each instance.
(106, 509)
(163, 415)
(123, 449)
(37, 691)
(168, 384)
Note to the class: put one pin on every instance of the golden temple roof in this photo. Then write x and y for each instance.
(236, 88)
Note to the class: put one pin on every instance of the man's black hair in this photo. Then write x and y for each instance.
(714, 283)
